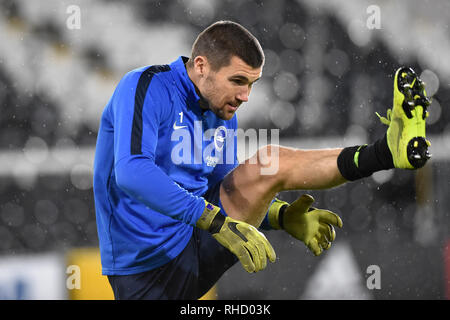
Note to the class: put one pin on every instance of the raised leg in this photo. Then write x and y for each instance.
(248, 190)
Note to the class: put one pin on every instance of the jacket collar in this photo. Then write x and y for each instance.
(185, 85)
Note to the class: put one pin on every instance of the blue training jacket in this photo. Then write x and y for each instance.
(157, 152)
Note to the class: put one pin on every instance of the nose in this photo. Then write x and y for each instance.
(243, 95)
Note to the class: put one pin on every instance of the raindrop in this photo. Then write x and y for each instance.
(292, 35)
(292, 61)
(310, 115)
(200, 12)
(272, 63)
(286, 86)
(81, 177)
(33, 236)
(282, 114)
(46, 212)
(25, 174)
(337, 62)
(435, 112)
(76, 211)
(64, 234)
(12, 215)
(358, 33)
(61, 151)
(36, 150)
(383, 176)
(431, 82)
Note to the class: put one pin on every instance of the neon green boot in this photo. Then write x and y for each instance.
(406, 132)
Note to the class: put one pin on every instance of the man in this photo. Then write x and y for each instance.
(174, 207)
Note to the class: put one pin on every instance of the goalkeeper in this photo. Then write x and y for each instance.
(171, 221)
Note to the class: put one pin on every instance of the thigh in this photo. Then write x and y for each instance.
(214, 261)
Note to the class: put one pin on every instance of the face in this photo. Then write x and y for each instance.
(226, 89)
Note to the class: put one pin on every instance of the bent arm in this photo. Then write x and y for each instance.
(142, 179)
(139, 108)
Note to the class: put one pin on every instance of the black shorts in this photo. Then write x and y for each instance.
(188, 276)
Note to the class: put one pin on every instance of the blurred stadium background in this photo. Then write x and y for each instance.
(326, 74)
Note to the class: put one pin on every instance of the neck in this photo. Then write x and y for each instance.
(195, 80)
(191, 73)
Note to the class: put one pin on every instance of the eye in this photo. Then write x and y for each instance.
(238, 82)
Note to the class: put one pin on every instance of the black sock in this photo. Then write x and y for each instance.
(358, 162)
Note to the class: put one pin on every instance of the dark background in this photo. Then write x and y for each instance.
(326, 75)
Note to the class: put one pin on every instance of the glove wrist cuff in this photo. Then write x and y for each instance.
(275, 215)
(209, 214)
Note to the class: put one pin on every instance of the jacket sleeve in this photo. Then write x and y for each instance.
(140, 105)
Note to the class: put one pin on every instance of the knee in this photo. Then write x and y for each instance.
(277, 162)
(267, 159)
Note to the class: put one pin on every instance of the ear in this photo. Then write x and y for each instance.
(201, 65)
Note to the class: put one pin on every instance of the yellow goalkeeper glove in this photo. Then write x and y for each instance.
(312, 226)
(250, 246)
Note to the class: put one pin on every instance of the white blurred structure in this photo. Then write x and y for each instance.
(337, 277)
(410, 28)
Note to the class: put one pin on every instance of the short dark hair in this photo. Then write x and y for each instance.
(224, 39)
